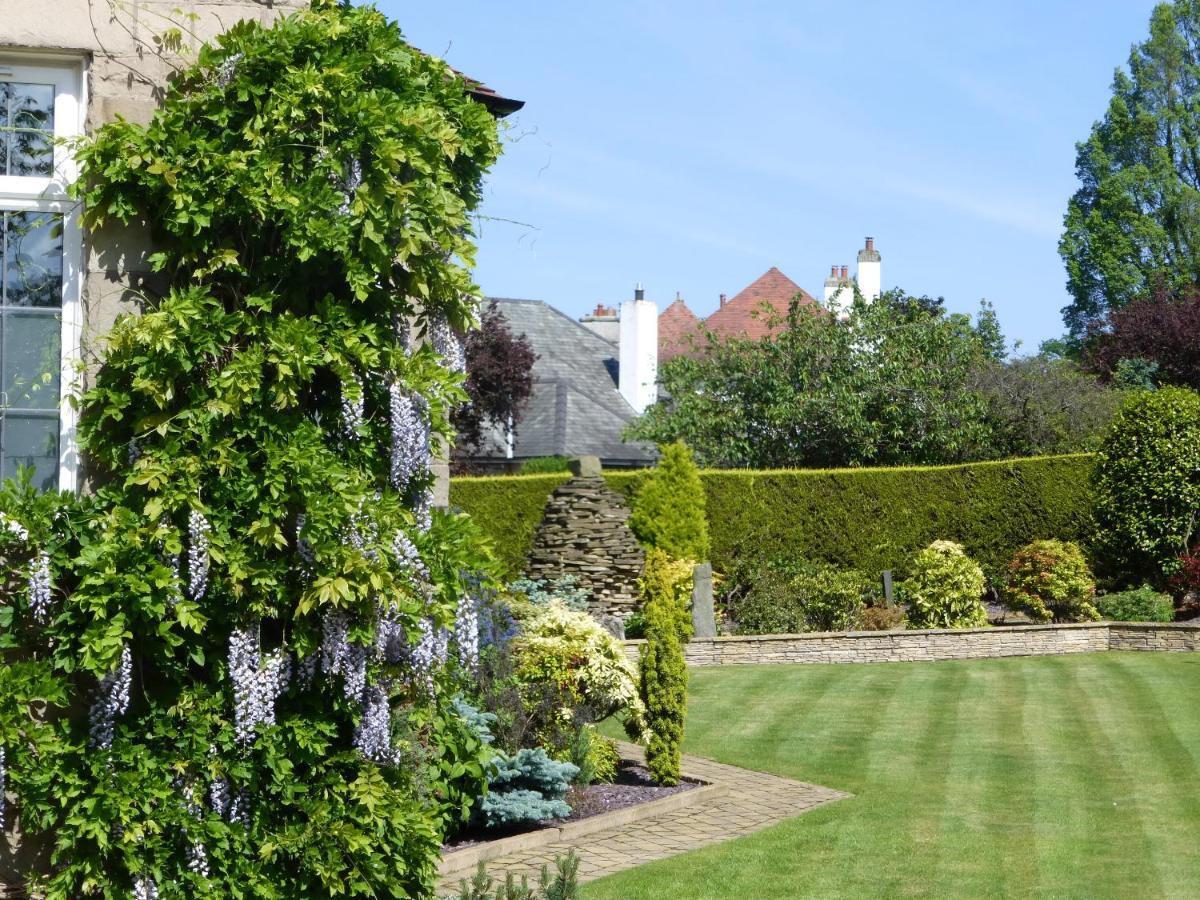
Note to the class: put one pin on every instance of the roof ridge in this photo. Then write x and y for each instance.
(583, 328)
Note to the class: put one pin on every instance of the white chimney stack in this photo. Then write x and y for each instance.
(870, 271)
(638, 379)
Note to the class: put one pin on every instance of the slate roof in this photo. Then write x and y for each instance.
(743, 316)
(575, 408)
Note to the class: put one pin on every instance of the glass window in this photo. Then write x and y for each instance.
(26, 129)
(31, 293)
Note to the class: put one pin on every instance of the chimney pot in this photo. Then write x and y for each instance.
(638, 292)
(833, 271)
(870, 243)
(722, 300)
(845, 271)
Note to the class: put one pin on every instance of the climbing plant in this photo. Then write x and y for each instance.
(259, 612)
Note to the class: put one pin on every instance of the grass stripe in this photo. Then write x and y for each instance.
(1069, 776)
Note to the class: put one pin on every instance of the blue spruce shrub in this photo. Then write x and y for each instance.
(526, 788)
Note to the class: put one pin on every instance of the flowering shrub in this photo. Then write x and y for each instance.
(1050, 580)
(571, 652)
(259, 612)
(944, 588)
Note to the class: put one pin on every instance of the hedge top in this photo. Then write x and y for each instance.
(870, 519)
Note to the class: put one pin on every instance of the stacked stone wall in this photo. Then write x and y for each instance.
(585, 534)
(918, 646)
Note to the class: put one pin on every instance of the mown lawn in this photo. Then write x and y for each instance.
(1072, 776)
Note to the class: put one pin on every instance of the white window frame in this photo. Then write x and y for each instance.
(68, 74)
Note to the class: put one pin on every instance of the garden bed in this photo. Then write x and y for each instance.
(631, 797)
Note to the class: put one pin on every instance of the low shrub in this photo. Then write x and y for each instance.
(525, 788)
(595, 756)
(562, 885)
(944, 588)
(882, 618)
(783, 596)
(669, 507)
(1143, 604)
(537, 592)
(1051, 581)
(635, 626)
(584, 668)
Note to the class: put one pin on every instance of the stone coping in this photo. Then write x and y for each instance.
(937, 643)
(462, 863)
(990, 629)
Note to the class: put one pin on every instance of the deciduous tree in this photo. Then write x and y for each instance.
(499, 382)
(1134, 223)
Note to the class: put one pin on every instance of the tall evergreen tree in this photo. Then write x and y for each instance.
(1134, 223)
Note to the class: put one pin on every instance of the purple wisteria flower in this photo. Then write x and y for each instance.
(411, 449)
(353, 408)
(40, 587)
(197, 555)
(111, 700)
(257, 681)
(373, 736)
(446, 343)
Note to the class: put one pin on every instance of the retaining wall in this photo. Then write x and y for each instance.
(934, 644)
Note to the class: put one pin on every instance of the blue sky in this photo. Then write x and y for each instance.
(693, 145)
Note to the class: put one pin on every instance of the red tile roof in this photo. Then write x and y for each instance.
(676, 326)
(745, 316)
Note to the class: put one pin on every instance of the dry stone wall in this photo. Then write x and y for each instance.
(916, 646)
(585, 533)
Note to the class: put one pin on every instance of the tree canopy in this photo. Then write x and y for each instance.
(1134, 223)
(888, 384)
(1156, 335)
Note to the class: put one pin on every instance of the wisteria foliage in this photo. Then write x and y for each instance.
(261, 556)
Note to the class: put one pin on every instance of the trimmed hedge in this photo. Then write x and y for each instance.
(868, 519)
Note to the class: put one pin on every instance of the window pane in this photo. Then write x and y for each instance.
(27, 122)
(30, 360)
(29, 441)
(33, 259)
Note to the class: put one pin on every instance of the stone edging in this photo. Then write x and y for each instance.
(462, 863)
(936, 644)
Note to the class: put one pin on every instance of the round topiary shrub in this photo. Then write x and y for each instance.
(1146, 484)
(944, 588)
(1051, 581)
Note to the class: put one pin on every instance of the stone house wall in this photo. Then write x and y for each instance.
(125, 75)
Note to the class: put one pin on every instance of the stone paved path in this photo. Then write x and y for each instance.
(755, 801)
